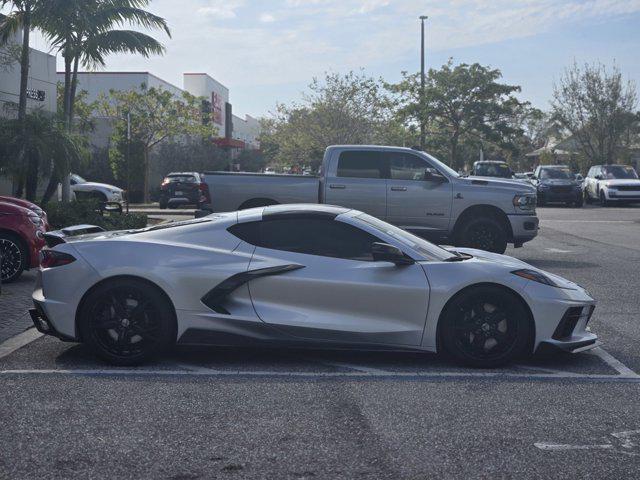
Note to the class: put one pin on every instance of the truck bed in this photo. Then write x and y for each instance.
(235, 190)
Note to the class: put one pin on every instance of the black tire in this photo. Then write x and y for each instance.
(603, 199)
(587, 198)
(163, 204)
(485, 327)
(579, 202)
(483, 233)
(127, 322)
(541, 201)
(14, 257)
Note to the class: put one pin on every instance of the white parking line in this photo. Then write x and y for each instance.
(14, 343)
(561, 446)
(614, 363)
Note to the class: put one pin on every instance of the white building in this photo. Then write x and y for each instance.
(231, 132)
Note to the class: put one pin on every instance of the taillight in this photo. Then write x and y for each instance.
(204, 193)
(51, 259)
(164, 183)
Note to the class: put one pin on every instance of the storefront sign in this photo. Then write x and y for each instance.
(38, 95)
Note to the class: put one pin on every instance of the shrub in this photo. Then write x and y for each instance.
(88, 212)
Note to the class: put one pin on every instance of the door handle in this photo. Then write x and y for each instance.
(399, 189)
(337, 187)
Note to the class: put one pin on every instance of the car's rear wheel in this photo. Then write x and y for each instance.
(127, 322)
(13, 257)
(483, 233)
(485, 327)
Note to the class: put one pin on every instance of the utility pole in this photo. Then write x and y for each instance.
(423, 120)
(128, 160)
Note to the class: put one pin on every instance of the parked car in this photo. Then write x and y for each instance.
(185, 188)
(557, 184)
(491, 168)
(22, 228)
(301, 275)
(612, 183)
(407, 188)
(103, 192)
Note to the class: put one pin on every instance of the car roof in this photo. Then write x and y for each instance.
(488, 161)
(303, 210)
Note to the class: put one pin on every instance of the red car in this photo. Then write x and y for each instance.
(22, 228)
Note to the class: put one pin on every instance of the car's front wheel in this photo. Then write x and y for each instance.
(483, 233)
(13, 257)
(485, 327)
(127, 322)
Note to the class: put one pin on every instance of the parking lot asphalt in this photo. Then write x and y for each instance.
(259, 413)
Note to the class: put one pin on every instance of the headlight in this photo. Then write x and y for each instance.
(535, 277)
(525, 202)
(36, 220)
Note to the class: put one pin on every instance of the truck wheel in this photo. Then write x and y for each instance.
(483, 233)
(13, 257)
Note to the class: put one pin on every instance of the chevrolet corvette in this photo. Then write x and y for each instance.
(302, 276)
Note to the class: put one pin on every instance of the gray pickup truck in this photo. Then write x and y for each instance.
(407, 188)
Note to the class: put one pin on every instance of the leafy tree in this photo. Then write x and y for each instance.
(341, 109)
(43, 143)
(598, 108)
(9, 55)
(156, 115)
(464, 106)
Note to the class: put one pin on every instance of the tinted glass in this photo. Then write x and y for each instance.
(612, 172)
(327, 238)
(182, 179)
(556, 173)
(405, 166)
(500, 170)
(426, 248)
(354, 164)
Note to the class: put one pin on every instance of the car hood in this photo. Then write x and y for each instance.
(621, 181)
(98, 185)
(559, 182)
(515, 185)
(514, 264)
(21, 203)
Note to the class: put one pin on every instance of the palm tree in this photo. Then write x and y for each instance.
(48, 148)
(84, 31)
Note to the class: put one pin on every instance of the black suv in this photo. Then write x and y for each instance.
(184, 188)
(557, 184)
(491, 168)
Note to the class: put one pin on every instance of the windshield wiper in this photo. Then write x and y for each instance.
(458, 257)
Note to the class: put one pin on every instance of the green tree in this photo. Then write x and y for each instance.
(155, 115)
(44, 143)
(598, 108)
(340, 109)
(465, 106)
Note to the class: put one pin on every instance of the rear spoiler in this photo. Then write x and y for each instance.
(58, 236)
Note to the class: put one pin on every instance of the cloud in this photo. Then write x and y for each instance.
(220, 9)
(267, 18)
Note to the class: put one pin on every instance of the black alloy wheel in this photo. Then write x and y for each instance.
(13, 257)
(485, 327)
(127, 322)
(483, 233)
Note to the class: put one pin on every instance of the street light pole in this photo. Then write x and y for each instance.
(128, 160)
(423, 125)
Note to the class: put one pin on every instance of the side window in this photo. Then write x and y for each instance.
(326, 238)
(405, 166)
(363, 164)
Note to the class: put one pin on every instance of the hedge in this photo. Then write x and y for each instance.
(88, 212)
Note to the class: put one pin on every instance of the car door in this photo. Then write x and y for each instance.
(332, 289)
(415, 199)
(357, 179)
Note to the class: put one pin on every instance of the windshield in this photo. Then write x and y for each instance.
(500, 170)
(180, 179)
(613, 172)
(77, 178)
(441, 166)
(428, 249)
(556, 174)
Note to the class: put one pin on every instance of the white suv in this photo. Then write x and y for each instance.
(611, 183)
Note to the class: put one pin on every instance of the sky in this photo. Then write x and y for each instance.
(267, 51)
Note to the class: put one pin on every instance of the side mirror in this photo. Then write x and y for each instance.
(432, 175)
(383, 252)
(598, 177)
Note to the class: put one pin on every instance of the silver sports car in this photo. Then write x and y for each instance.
(300, 275)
